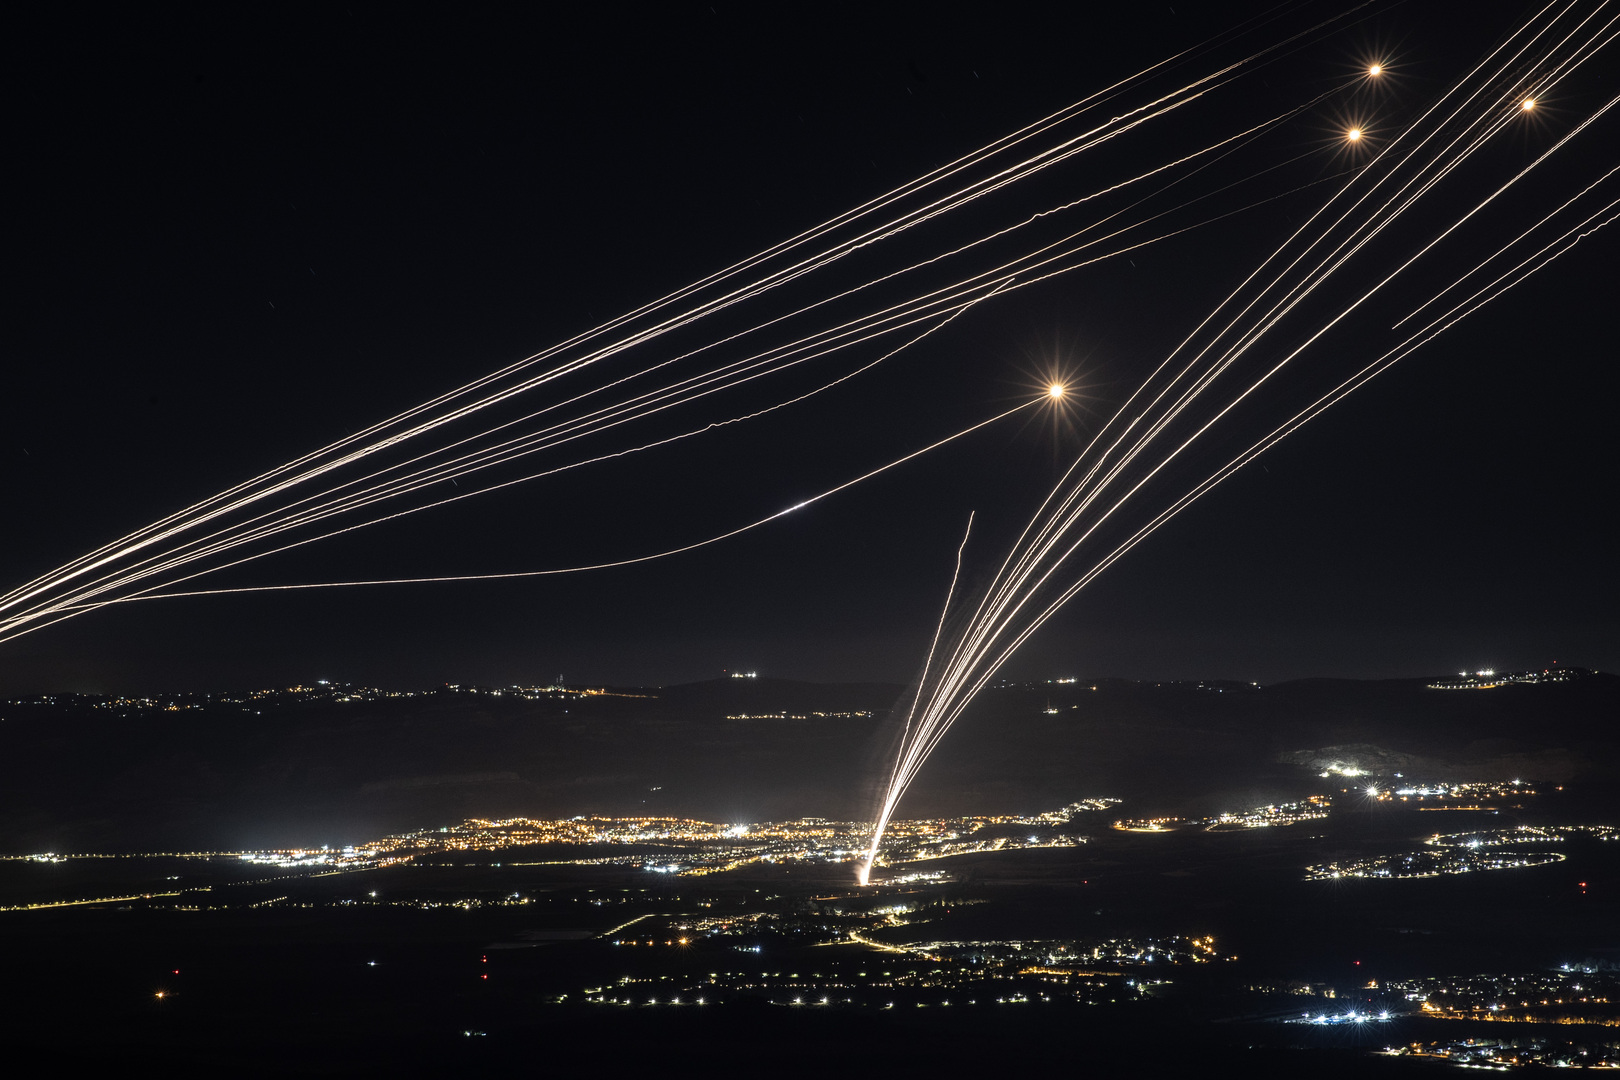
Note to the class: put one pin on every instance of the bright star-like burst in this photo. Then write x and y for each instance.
(542, 408)
(1153, 430)
(402, 465)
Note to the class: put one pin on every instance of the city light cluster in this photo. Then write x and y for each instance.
(690, 847)
(1466, 853)
(935, 974)
(853, 714)
(1519, 1051)
(1492, 680)
(1545, 997)
(1272, 815)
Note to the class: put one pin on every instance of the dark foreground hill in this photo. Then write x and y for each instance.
(333, 765)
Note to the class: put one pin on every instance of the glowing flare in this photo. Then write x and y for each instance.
(268, 505)
(1055, 391)
(157, 551)
(1375, 70)
(1354, 135)
(1010, 608)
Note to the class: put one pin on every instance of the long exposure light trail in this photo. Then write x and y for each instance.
(959, 299)
(912, 758)
(1119, 470)
(887, 230)
(1517, 274)
(271, 524)
(682, 549)
(961, 296)
(1186, 396)
(177, 541)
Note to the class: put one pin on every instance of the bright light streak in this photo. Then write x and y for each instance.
(239, 524)
(157, 551)
(593, 566)
(1126, 453)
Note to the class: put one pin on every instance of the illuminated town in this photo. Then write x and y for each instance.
(1144, 907)
(1493, 680)
(678, 846)
(1560, 996)
(764, 539)
(1311, 808)
(690, 848)
(300, 695)
(1464, 853)
(933, 973)
(989, 915)
(1504, 1054)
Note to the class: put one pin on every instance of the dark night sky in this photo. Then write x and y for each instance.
(238, 237)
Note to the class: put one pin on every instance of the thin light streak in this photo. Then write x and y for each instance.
(999, 623)
(682, 549)
(486, 391)
(191, 552)
(864, 874)
(194, 549)
(282, 525)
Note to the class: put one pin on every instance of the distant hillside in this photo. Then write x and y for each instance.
(336, 765)
(244, 770)
(1181, 745)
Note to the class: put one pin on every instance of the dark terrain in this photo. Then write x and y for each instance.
(77, 775)
(427, 968)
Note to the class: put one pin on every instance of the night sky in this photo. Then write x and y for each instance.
(241, 236)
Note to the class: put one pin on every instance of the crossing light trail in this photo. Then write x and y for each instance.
(270, 525)
(631, 561)
(1384, 247)
(1051, 260)
(673, 369)
(348, 496)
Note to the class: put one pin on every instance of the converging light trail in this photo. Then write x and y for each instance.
(1332, 276)
(766, 520)
(1382, 231)
(773, 316)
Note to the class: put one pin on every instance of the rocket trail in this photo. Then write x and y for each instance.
(309, 510)
(258, 510)
(1221, 369)
(281, 524)
(682, 549)
(898, 195)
